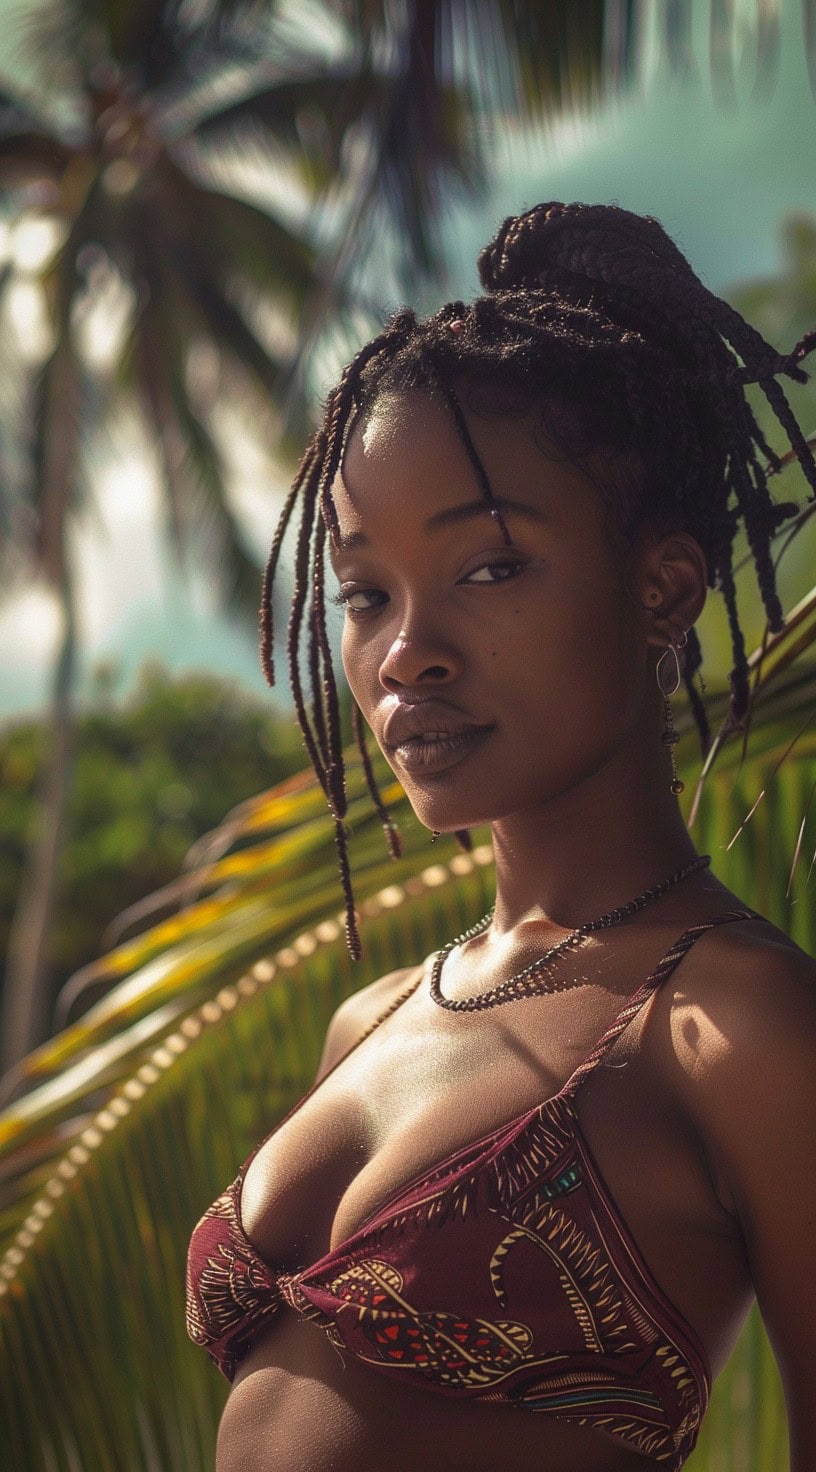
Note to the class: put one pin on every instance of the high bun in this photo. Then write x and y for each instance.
(600, 241)
(593, 319)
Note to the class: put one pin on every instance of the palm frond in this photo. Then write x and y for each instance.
(558, 57)
(288, 107)
(774, 699)
(287, 1003)
(622, 42)
(234, 917)
(769, 43)
(233, 570)
(248, 242)
(202, 522)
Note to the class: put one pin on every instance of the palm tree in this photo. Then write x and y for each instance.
(134, 140)
(95, 150)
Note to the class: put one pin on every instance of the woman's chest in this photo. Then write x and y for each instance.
(410, 1098)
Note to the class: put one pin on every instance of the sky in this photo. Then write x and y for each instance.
(721, 182)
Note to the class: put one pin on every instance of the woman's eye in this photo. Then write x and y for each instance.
(494, 572)
(359, 600)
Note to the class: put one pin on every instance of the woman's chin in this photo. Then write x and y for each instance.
(448, 822)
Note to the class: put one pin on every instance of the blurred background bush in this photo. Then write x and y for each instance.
(151, 773)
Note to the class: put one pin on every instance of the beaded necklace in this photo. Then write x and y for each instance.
(527, 983)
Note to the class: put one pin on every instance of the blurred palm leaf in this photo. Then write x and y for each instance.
(212, 1028)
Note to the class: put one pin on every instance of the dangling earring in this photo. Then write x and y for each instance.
(435, 832)
(668, 683)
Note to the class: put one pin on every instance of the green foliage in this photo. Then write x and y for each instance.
(150, 777)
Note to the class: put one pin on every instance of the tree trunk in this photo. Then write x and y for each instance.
(26, 1007)
(26, 1003)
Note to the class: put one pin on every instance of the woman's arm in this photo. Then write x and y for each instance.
(755, 1090)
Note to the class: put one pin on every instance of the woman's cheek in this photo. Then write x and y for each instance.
(347, 656)
(361, 666)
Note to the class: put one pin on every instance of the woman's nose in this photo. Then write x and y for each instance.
(412, 662)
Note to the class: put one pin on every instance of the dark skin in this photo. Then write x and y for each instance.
(549, 647)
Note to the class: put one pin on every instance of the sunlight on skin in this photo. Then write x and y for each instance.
(693, 1025)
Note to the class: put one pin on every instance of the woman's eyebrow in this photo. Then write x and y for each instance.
(453, 515)
(471, 509)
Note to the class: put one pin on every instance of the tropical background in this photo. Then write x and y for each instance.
(205, 206)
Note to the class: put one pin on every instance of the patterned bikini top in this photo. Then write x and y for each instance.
(504, 1273)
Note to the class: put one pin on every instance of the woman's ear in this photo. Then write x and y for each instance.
(670, 585)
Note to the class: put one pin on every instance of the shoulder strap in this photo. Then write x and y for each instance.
(630, 1008)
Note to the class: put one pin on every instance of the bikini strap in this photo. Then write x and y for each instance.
(630, 1008)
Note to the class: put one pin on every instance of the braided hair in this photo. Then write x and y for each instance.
(592, 317)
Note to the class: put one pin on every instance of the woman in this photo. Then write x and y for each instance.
(546, 1170)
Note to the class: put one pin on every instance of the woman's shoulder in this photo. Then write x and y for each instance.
(748, 977)
(743, 1022)
(744, 1033)
(362, 1010)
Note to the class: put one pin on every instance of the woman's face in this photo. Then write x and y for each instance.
(495, 677)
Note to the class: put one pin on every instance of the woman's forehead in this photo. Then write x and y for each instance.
(393, 455)
(420, 424)
(409, 442)
(397, 414)
(400, 436)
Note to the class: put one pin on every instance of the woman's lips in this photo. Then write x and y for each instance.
(436, 751)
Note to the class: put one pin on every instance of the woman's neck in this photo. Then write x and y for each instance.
(595, 846)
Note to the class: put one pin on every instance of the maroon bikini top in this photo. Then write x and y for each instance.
(504, 1273)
